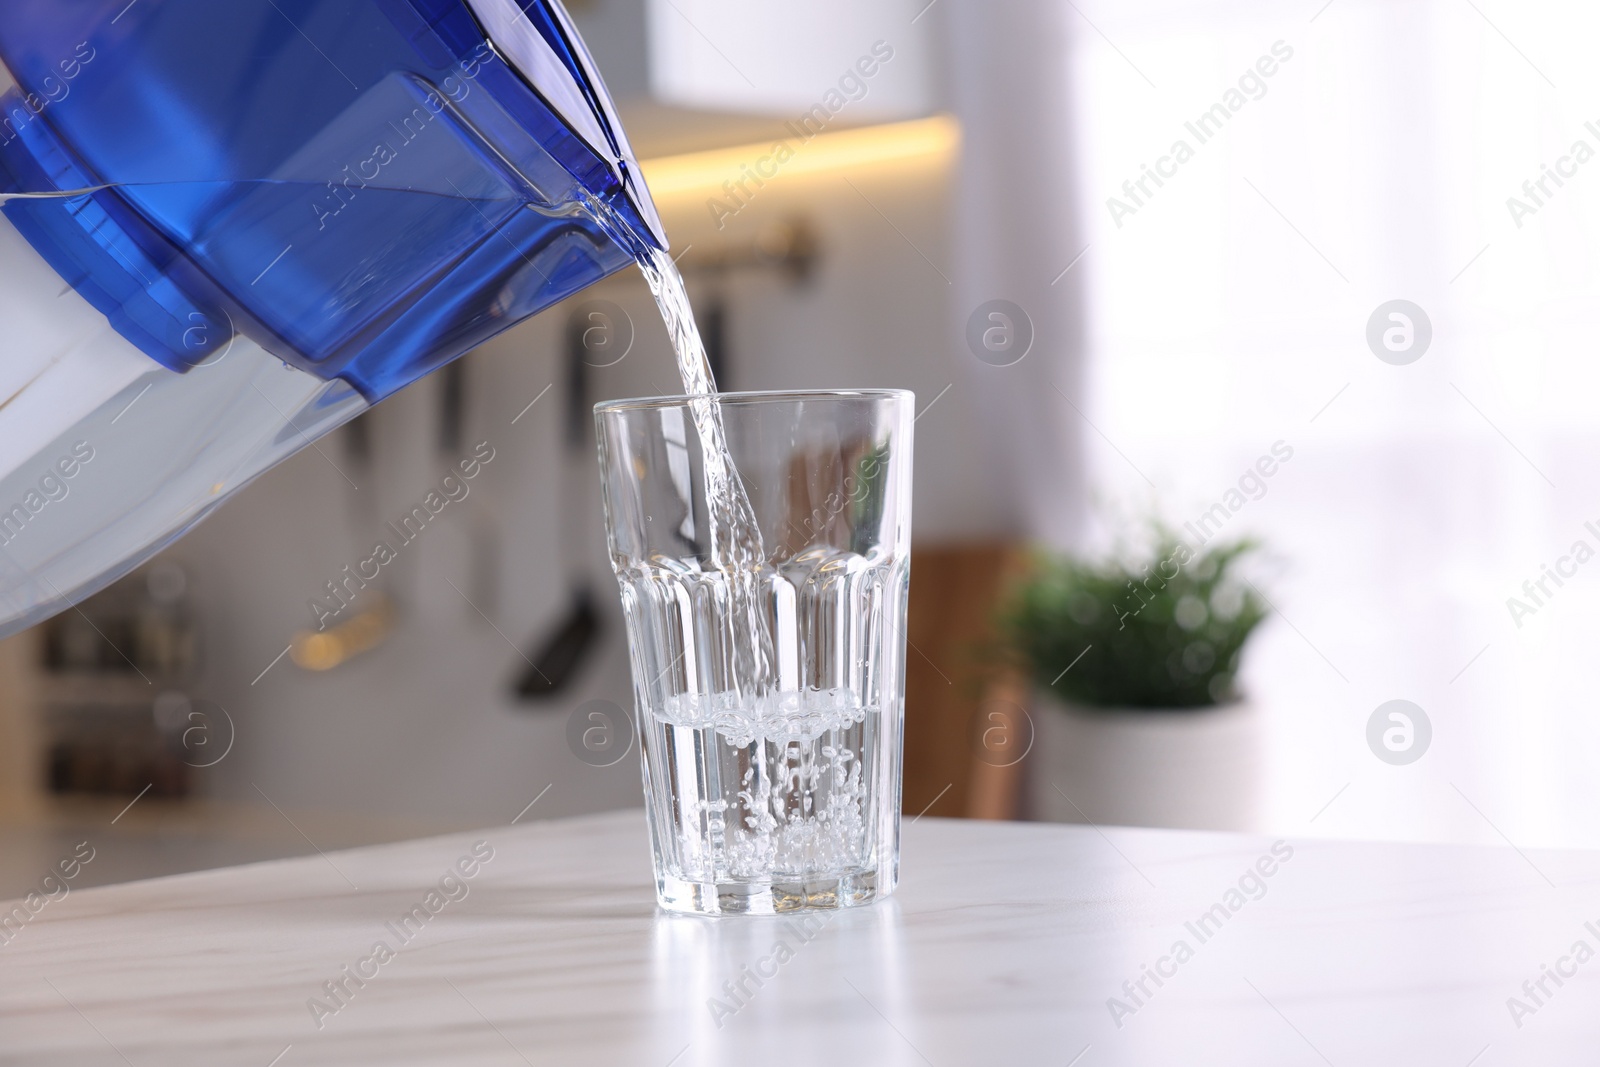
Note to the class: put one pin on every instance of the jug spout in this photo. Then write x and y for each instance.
(227, 228)
(544, 47)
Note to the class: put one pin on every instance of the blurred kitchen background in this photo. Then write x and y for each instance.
(1169, 340)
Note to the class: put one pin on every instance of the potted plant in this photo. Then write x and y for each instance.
(1134, 658)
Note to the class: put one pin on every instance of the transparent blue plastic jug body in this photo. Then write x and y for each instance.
(230, 225)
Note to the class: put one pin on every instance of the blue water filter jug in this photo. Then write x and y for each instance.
(231, 225)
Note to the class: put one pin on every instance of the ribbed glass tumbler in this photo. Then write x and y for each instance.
(765, 594)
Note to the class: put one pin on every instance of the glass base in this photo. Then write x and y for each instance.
(820, 893)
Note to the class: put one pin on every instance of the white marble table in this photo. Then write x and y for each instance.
(1005, 945)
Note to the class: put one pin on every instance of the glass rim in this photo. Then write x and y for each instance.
(759, 396)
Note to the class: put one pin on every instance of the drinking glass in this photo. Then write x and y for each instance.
(768, 656)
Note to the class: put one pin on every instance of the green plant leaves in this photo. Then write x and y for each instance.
(1162, 630)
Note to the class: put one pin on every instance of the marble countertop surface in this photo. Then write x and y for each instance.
(1007, 943)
